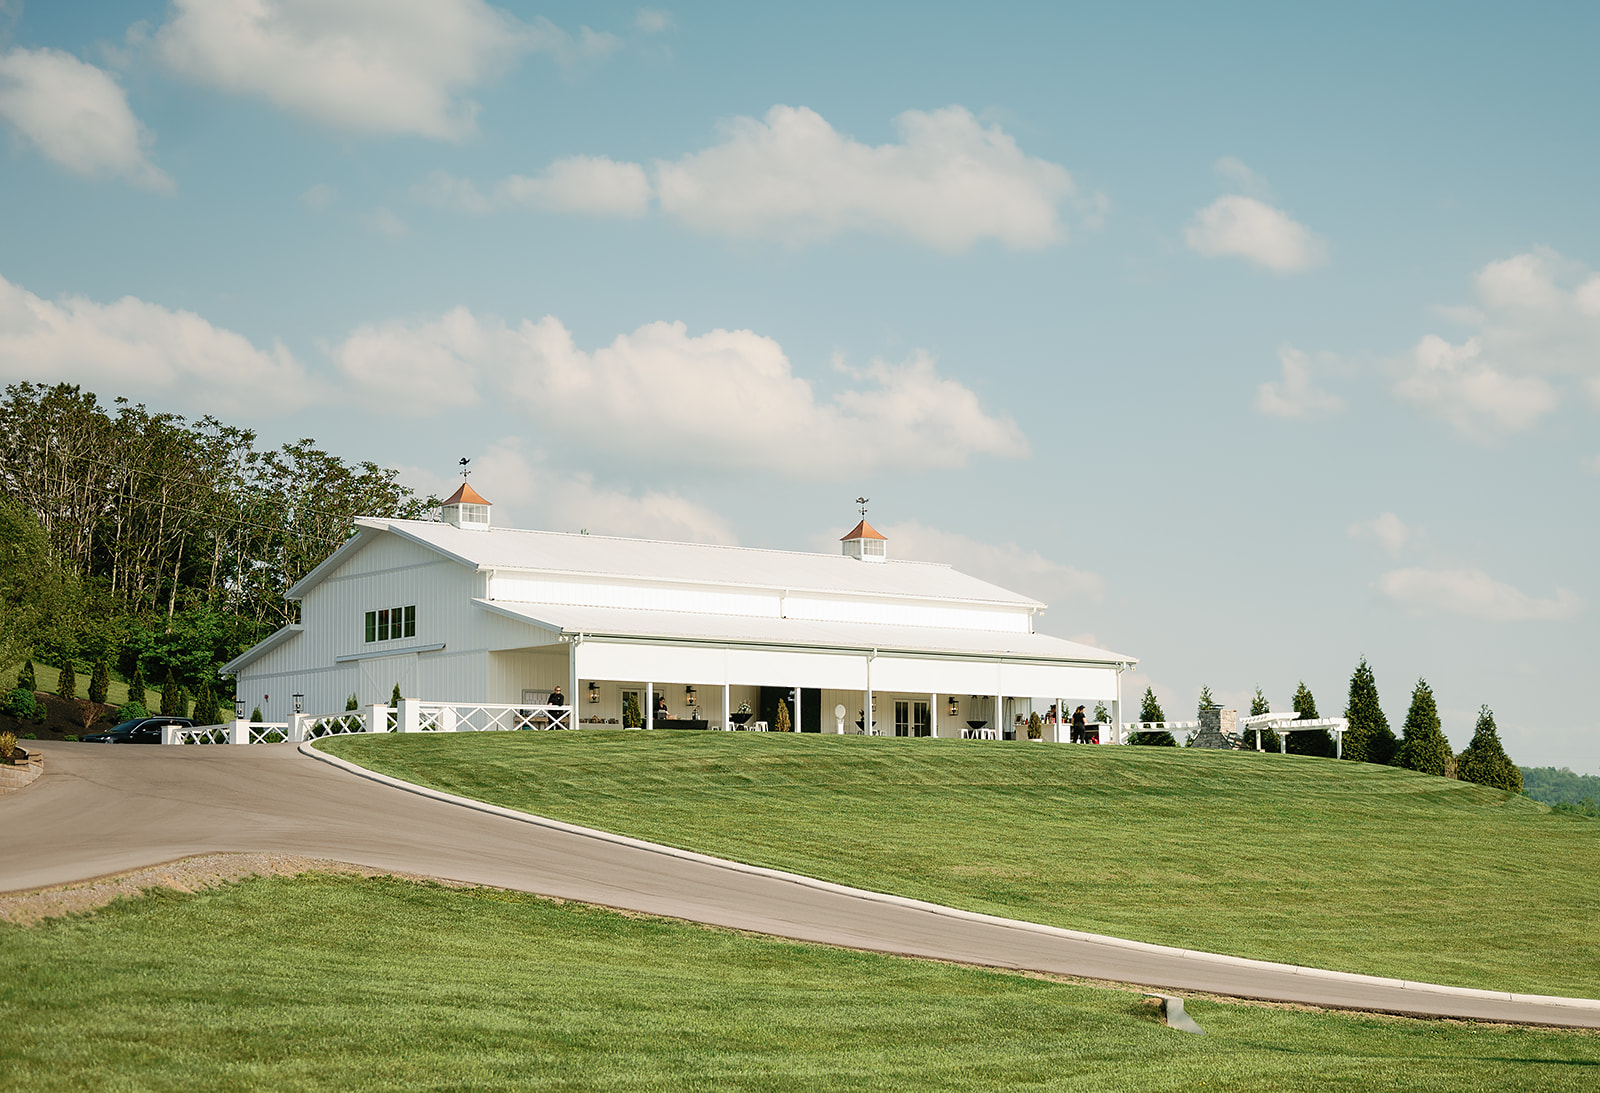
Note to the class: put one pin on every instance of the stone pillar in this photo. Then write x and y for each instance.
(1219, 728)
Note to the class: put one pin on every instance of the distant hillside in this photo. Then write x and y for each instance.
(1560, 787)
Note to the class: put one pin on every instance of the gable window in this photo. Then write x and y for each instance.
(389, 623)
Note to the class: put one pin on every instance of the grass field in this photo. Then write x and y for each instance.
(1309, 861)
(322, 983)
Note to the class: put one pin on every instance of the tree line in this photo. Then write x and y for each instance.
(160, 544)
(1422, 745)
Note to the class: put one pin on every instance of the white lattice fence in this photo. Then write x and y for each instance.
(317, 726)
(486, 717)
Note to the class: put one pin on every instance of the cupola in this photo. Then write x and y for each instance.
(865, 543)
(466, 509)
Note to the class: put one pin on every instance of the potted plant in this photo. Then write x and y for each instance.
(744, 714)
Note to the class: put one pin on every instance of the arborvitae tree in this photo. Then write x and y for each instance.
(207, 710)
(100, 681)
(25, 678)
(1317, 741)
(1485, 761)
(783, 723)
(1206, 701)
(171, 697)
(631, 717)
(1150, 710)
(136, 685)
(394, 697)
(1269, 739)
(1423, 747)
(352, 703)
(67, 680)
(1369, 738)
(255, 716)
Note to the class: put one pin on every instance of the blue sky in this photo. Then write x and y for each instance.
(1252, 338)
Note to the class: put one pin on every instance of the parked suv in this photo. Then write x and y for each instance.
(141, 730)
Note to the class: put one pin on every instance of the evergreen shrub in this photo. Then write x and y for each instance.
(67, 680)
(21, 704)
(100, 681)
(130, 710)
(1423, 746)
(1485, 761)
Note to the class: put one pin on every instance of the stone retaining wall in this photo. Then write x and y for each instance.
(15, 777)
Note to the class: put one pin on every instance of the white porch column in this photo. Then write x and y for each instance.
(1116, 710)
(866, 710)
(933, 717)
(796, 725)
(572, 672)
(1000, 717)
(727, 711)
(649, 705)
(1338, 743)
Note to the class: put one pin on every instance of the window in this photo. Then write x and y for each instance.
(391, 622)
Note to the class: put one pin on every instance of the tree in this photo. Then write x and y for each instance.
(1150, 710)
(394, 697)
(255, 716)
(67, 681)
(171, 697)
(1315, 741)
(782, 724)
(207, 709)
(631, 717)
(136, 685)
(1422, 745)
(1369, 738)
(1206, 701)
(25, 678)
(1485, 761)
(1269, 739)
(100, 681)
(1101, 714)
(352, 703)
(35, 595)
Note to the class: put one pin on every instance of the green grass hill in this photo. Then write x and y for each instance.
(1309, 861)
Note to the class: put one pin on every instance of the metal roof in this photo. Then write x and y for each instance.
(748, 630)
(695, 563)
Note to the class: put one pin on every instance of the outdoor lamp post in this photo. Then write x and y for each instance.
(298, 699)
(238, 708)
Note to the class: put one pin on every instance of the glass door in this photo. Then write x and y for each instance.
(902, 719)
(921, 720)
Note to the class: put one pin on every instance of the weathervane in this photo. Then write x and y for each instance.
(862, 501)
(462, 463)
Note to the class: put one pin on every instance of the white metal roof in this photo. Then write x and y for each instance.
(690, 626)
(693, 563)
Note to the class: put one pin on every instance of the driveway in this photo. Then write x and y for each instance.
(104, 809)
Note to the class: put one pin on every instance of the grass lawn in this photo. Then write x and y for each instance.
(46, 675)
(323, 982)
(1309, 861)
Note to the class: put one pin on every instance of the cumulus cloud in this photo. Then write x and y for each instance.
(400, 66)
(1242, 178)
(1388, 529)
(652, 21)
(949, 183)
(1295, 396)
(319, 197)
(1243, 227)
(1458, 384)
(384, 222)
(1474, 594)
(146, 350)
(76, 115)
(592, 185)
(722, 398)
(527, 493)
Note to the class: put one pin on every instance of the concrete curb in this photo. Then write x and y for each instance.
(1218, 959)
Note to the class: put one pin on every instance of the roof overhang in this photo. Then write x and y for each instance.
(260, 649)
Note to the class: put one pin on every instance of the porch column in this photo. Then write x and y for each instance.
(999, 717)
(727, 726)
(796, 725)
(649, 705)
(1116, 710)
(933, 717)
(572, 694)
(866, 710)
(1338, 743)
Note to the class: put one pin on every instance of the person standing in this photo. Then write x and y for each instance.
(1078, 734)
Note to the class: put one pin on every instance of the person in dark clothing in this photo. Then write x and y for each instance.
(1079, 736)
(557, 698)
(661, 707)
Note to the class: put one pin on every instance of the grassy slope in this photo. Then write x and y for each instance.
(337, 983)
(45, 675)
(1340, 865)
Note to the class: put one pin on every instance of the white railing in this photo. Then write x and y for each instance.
(231, 732)
(410, 716)
(483, 717)
(317, 726)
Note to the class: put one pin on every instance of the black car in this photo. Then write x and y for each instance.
(141, 730)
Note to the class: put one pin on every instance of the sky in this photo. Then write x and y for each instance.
(1252, 338)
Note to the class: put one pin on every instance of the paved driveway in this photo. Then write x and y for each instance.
(103, 809)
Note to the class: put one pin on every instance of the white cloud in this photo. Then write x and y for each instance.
(143, 349)
(1388, 529)
(384, 222)
(446, 191)
(1295, 396)
(726, 398)
(1242, 177)
(527, 493)
(1473, 593)
(1239, 226)
(319, 197)
(395, 66)
(1592, 464)
(76, 115)
(949, 183)
(594, 185)
(1472, 394)
(651, 21)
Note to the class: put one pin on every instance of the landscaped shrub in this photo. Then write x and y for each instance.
(1269, 739)
(67, 680)
(1315, 742)
(130, 710)
(1035, 726)
(207, 710)
(171, 697)
(25, 678)
(632, 718)
(1485, 761)
(8, 744)
(782, 724)
(255, 716)
(100, 681)
(1150, 710)
(21, 705)
(1423, 746)
(136, 685)
(1369, 738)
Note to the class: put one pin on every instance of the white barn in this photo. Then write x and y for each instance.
(460, 611)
